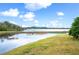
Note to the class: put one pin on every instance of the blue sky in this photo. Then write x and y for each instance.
(36, 14)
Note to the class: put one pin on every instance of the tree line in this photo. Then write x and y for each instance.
(7, 26)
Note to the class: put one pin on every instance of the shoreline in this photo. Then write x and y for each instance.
(57, 45)
(40, 38)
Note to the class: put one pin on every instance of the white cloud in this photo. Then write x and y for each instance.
(24, 26)
(56, 23)
(10, 12)
(13, 22)
(28, 16)
(36, 21)
(38, 5)
(20, 16)
(31, 19)
(36, 24)
(60, 14)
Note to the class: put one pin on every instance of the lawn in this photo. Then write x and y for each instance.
(58, 45)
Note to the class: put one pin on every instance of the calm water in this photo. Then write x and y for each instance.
(14, 41)
(7, 44)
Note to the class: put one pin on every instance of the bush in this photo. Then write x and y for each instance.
(74, 30)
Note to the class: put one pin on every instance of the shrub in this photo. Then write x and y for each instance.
(74, 30)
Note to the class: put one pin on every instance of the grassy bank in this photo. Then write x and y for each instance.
(9, 32)
(4, 32)
(57, 45)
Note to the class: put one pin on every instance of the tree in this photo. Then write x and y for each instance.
(74, 30)
(6, 26)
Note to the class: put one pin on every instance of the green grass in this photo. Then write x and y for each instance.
(7, 32)
(57, 45)
(2, 33)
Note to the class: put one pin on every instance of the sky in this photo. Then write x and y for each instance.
(39, 14)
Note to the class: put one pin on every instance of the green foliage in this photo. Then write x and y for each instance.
(74, 31)
(6, 26)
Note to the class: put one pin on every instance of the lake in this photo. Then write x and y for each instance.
(17, 40)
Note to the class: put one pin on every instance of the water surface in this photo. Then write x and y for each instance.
(17, 40)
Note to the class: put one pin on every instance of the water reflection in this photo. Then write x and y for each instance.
(16, 36)
(11, 41)
(3, 37)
